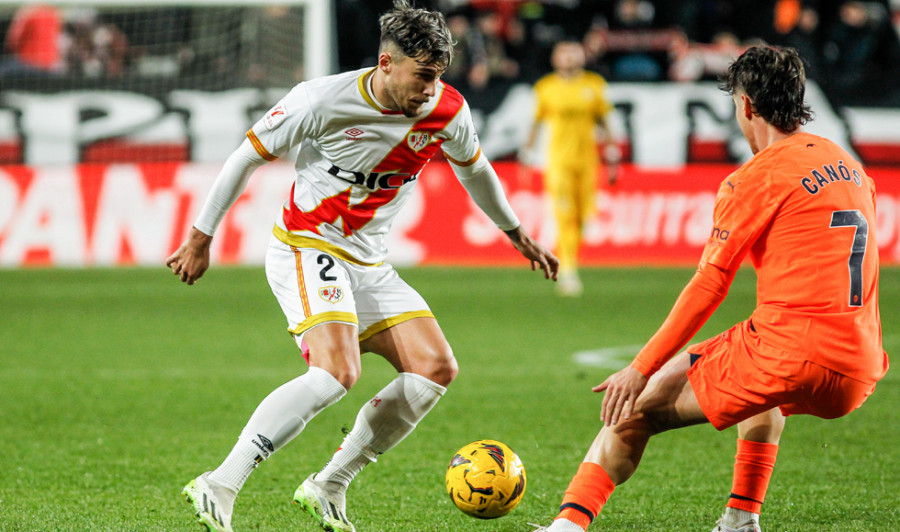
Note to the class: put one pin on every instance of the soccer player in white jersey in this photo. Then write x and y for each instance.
(363, 137)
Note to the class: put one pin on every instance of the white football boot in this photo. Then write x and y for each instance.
(327, 506)
(213, 504)
(749, 525)
(559, 525)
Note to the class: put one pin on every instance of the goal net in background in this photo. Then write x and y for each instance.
(105, 81)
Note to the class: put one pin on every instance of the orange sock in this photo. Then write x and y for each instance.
(588, 491)
(753, 465)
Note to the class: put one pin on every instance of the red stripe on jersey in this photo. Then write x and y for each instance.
(403, 157)
(338, 207)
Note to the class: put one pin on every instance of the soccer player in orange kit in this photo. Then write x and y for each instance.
(804, 211)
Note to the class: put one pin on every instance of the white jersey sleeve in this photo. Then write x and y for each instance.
(463, 147)
(484, 187)
(228, 186)
(285, 125)
(475, 172)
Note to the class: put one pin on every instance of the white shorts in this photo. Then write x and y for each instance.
(314, 287)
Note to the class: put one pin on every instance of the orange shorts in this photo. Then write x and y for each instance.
(736, 376)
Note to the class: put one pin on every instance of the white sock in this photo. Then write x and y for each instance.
(279, 418)
(735, 517)
(381, 424)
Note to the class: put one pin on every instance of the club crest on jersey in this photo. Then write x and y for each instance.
(417, 140)
(275, 116)
(332, 294)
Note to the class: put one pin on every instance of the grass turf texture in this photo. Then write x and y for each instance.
(119, 386)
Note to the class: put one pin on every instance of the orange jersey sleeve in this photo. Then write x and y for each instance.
(699, 299)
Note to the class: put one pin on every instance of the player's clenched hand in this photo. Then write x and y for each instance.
(191, 260)
(536, 253)
(622, 390)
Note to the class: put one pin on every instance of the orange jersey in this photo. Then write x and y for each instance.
(804, 210)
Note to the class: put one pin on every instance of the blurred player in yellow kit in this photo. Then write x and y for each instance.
(572, 101)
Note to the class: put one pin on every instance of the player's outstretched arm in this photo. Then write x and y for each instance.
(191, 260)
(696, 303)
(481, 182)
(536, 253)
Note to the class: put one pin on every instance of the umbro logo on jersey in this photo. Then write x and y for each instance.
(332, 294)
(354, 133)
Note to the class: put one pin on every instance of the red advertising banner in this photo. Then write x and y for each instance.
(121, 214)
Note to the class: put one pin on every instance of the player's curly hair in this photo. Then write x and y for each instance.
(418, 33)
(775, 80)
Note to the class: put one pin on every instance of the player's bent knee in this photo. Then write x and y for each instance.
(439, 367)
(336, 350)
(659, 421)
(345, 370)
(668, 403)
(447, 371)
(348, 375)
(761, 432)
(345, 374)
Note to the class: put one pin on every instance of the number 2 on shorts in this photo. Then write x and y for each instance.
(328, 261)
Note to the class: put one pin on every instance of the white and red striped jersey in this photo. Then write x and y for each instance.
(357, 162)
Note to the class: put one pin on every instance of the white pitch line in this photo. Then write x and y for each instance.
(608, 357)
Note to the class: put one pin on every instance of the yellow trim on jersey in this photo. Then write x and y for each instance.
(324, 317)
(390, 322)
(361, 82)
(301, 283)
(470, 162)
(299, 241)
(258, 146)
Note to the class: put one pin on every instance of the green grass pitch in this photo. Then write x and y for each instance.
(117, 386)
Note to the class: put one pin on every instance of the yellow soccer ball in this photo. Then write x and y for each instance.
(486, 479)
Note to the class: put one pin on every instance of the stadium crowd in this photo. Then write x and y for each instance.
(851, 47)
